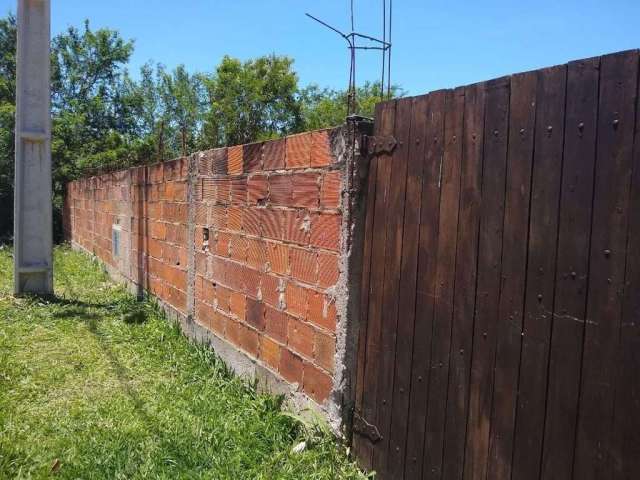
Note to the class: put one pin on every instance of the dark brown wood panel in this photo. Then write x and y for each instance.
(408, 288)
(425, 290)
(465, 281)
(616, 123)
(385, 115)
(489, 270)
(538, 307)
(393, 260)
(500, 332)
(514, 267)
(446, 264)
(572, 269)
(626, 428)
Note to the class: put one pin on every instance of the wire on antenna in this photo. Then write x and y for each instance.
(375, 44)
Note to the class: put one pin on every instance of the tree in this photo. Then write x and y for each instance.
(7, 120)
(325, 107)
(251, 101)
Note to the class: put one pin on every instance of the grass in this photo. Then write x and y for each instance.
(94, 384)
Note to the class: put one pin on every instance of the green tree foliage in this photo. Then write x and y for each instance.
(250, 101)
(326, 107)
(7, 115)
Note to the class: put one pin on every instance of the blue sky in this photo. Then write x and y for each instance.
(437, 44)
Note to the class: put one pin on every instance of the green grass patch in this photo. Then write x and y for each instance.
(94, 384)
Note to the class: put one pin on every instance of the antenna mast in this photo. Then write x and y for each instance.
(370, 43)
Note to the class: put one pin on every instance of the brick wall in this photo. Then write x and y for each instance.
(262, 226)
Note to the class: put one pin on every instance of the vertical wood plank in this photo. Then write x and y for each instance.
(385, 118)
(445, 277)
(538, 307)
(572, 270)
(616, 118)
(465, 281)
(489, 271)
(626, 427)
(408, 287)
(514, 263)
(393, 258)
(427, 257)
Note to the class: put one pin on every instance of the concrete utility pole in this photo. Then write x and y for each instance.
(33, 227)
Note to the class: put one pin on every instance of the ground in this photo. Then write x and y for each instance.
(94, 384)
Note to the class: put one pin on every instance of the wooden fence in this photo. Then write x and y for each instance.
(501, 280)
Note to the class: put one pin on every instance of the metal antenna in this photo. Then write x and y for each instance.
(352, 44)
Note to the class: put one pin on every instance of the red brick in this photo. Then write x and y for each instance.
(202, 264)
(223, 298)
(296, 225)
(218, 216)
(155, 173)
(238, 305)
(280, 190)
(252, 157)
(306, 189)
(271, 222)
(256, 253)
(235, 161)
(223, 240)
(176, 234)
(209, 293)
(271, 287)
(328, 271)
(155, 248)
(270, 352)
(219, 323)
(158, 230)
(174, 212)
(300, 337)
(206, 189)
(234, 332)
(235, 276)
(278, 257)
(223, 189)
(239, 191)
(291, 367)
(297, 299)
(324, 350)
(304, 265)
(218, 161)
(202, 214)
(257, 189)
(217, 268)
(251, 221)
(175, 256)
(238, 248)
(204, 315)
(298, 151)
(251, 281)
(256, 314)
(331, 189)
(276, 324)
(175, 192)
(321, 149)
(316, 383)
(234, 218)
(273, 153)
(175, 297)
(325, 231)
(322, 311)
(251, 342)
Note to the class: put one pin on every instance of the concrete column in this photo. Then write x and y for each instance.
(33, 199)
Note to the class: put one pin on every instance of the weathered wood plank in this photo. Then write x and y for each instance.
(616, 117)
(393, 258)
(445, 277)
(408, 287)
(572, 269)
(385, 112)
(538, 307)
(514, 266)
(465, 281)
